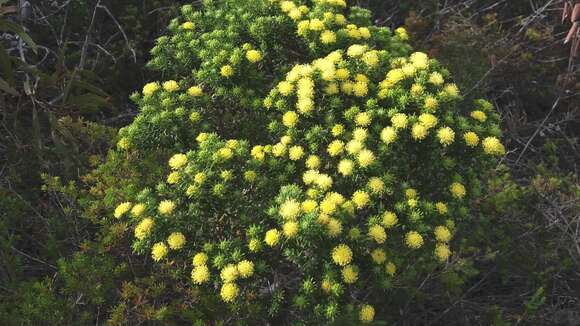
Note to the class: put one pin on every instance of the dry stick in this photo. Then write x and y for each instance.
(120, 29)
(33, 258)
(554, 106)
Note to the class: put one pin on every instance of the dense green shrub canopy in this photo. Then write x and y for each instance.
(312, 158)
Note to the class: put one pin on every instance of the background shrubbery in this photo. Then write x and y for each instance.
(61, 264)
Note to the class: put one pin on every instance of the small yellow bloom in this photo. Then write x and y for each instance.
(360, 198)
(479, 116)
(296, 153)
(187, 25)
(289, 119)
(199, 259)
(399, 121)
(442, 234)
(365, 158)
(143, 229)
(170, 86)
(290, 229)
(471, 139)
(442, 252)
(379, 256)
(200, 274)
(341, 255)
(350, 274)
(229, 273)
(446, 136)
(413, 240)
(367, 314)
(195, 91)
(390, 219)
(254, 56)
(166, 207)
(272, 237)
(377, 233)
(492, 146)
(457, 190)
(176, 240)
(122, 208)
(327, 37)
(159, 251)
(227, 71)
(245, 268)
(229, 292)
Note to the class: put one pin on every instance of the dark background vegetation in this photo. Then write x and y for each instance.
(67, 69)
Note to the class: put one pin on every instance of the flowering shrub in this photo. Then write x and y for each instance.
(314, 158)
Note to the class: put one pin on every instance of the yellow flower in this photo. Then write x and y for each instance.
(350, 274)
(327, 37)
(323, 181)
(199, 177)
(286, 6)
(312, 162)
(379, 256)
(451, 90)
(364, 118)
(289, 119)
(121, 209)
(335, 147)
(170, 86)
(229, 273)
(187, 25)
(177, 161)
(272, 237)
(150, 88)
(316, 24)
(492, 146)
(413, 240)
(326, 285)
(123, 143)
(399, 121)
(377, 233)
(309, 205)
(360, 89)
(388, 135)
(441, 208)
(290, 210)
(371, 58)
(166, 207)
(390, 268)
(345, 167)
(229, 292)
(339, 19)
(159, 251)
(419, 132)
(419, 59)
(436, 79)
(200, 274)
(334, 227)
(254, 56)
(285, 88)
(457, 190)
(431, 103)
(442, 252)
(360, 198)
(202, 137)
(245, 268)
(227, 71)
(342, 74)
(278, 149)
(310, 176)
(337, 130)
(199, 259)
(479, 116)
(471, 139)
(295, 14)
(389, 219)
(173, 178)
(356, 50)
(376, 185)
(401, 32)
(367, 314)
(428, 120)
(254, 245)
(176, 240)
(195, 91)
(286, 140)
(354, 146)
(442, 234)
(341, 255)
(143, 229)
(296, 153)
(250, 175)
(417, 89)
(290, 229)
(365, 158)
(446, 136)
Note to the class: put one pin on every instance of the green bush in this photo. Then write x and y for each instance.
(312, 158)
